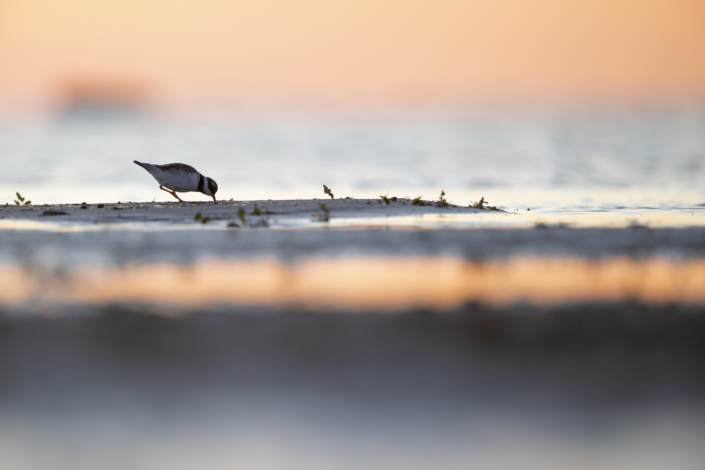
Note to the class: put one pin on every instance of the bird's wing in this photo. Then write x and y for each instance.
(177, 167)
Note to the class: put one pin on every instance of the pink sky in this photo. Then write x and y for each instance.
(351, 52)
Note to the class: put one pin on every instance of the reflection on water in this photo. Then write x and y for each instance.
(356, 220)
(694, 217)
(589, 387)
(365, 283)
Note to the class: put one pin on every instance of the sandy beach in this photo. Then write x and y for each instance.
(310, 327)
(276, 211)
(346, 254)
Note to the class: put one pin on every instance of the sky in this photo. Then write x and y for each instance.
(185, 54)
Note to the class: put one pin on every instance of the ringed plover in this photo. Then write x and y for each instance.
(182, 178)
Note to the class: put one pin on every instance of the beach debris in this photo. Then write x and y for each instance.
(479, 204)
(232, 225)
(100, 206)
(327, 191)
(325, 216)
(442, 202)
(204, 220)
(53, 212)
(84, 205)
(418, 202)
(20, 201)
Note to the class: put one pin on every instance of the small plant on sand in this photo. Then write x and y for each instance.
(241, 214)
(442, 202)
(325, 216)
(21, 202)
(479, 204)
(328, 191)
(418, 202)
(256, 210)
(385, 198)
(204, 220)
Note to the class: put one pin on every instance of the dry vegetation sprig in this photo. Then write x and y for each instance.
(442, 202)
(21, 202)
(479, 204)
(204, 220)
(241, 215)
(325, 216)
(327, 191)
(418, 202)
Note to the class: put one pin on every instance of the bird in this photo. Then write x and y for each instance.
(175, 177)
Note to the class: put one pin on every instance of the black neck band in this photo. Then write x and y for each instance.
(201, 180)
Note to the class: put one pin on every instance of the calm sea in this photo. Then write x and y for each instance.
(548, 161)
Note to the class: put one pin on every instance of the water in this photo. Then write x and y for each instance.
(100, 369)
(558, 163)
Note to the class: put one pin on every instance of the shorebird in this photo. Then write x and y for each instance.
(182, 178)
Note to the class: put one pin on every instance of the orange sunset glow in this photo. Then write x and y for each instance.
(310, 52)
(362, 284)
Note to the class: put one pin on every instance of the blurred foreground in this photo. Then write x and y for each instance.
(135, 336)
(611, 386)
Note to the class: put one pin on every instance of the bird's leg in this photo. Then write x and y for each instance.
(173, 193)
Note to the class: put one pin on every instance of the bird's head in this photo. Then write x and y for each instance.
(211, 188)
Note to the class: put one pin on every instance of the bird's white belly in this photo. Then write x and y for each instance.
(180, 181)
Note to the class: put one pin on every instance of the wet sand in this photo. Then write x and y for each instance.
(133, 384)
(184, 212)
